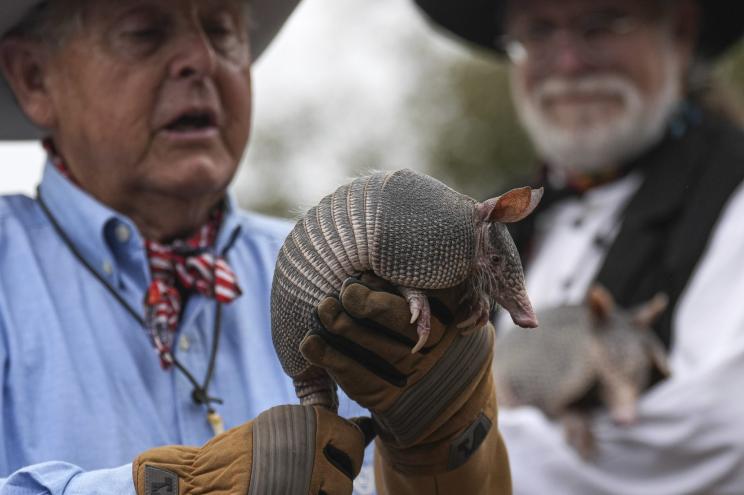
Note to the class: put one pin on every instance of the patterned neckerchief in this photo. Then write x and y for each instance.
(178, 268)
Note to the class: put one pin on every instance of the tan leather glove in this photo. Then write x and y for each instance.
(287, 449)
(435, 410)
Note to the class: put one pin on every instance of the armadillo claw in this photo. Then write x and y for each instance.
(477, 319)
(415, 312)
(483, 318)
(420, 312)
(423, 332)
(470, 321)
(423, 328)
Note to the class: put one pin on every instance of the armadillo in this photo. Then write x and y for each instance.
(411, 230)
(582, 358)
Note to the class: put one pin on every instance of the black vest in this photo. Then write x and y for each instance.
(666, 225)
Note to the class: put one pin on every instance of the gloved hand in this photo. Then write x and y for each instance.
(286, 449)
(433, 409)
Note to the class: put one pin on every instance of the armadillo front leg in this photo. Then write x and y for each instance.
(479, 316)
(420, 312)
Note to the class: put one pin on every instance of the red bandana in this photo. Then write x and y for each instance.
(181, 267)
(178, 268)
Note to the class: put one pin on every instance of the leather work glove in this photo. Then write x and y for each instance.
(286, 449)
(434, 411)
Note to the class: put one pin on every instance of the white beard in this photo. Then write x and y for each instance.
(592, 142)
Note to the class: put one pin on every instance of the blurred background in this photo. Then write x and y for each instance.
(352, 86)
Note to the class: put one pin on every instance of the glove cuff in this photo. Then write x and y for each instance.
(424, 412)
(454, 442)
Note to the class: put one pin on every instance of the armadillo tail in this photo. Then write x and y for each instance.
(315, 388)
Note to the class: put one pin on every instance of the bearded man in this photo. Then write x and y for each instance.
(644, 194)
(134, 297)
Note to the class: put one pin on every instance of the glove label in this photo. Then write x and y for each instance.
(160, 482)
(468, 441)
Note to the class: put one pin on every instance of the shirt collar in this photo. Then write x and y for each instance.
(108, 240)
(230, 227)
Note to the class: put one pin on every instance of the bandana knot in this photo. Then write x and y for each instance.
(181, 268)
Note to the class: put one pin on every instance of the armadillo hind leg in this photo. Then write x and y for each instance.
(420, 314)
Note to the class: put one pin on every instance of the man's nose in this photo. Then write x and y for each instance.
(195, 56)
(569, 56)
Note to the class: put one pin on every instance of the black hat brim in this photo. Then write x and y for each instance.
(479, 22)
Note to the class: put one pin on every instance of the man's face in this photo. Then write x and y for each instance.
(597, 79)
(152, 97)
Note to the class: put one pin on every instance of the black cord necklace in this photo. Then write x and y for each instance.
(200, 393)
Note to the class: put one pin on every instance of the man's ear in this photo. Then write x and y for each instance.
(686, 29)
(23, 63)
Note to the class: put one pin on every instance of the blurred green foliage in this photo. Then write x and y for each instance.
(731, 69)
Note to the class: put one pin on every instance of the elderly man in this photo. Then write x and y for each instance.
(134, 297)
(643, 194)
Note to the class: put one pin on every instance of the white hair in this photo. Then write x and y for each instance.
(51, 21)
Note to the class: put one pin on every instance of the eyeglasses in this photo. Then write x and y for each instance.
(595, 37)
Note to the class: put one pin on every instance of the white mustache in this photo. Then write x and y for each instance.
(588, 85)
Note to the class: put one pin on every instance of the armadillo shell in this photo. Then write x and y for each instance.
(424, 234)
(406, 227)
(547, 367)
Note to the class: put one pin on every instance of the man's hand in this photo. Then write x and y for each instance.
(432, 409)
(287, 449)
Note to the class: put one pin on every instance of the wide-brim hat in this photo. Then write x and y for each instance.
(268, 16)
(479, 22)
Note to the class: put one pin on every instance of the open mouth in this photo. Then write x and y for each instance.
(193, 121)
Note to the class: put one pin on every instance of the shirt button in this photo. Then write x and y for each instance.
(123, 233)
(108, 268)
(184, 343)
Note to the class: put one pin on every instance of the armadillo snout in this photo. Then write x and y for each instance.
(520, 310)
(525, 321)
(524, 318)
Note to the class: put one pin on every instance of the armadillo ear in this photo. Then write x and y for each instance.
(646, 315)
(511, 206)
(658, 356)
(600, 302)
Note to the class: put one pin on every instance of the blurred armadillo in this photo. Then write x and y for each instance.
(582, 357)
(410, 230)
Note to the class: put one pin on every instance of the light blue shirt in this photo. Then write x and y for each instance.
(83, 392)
